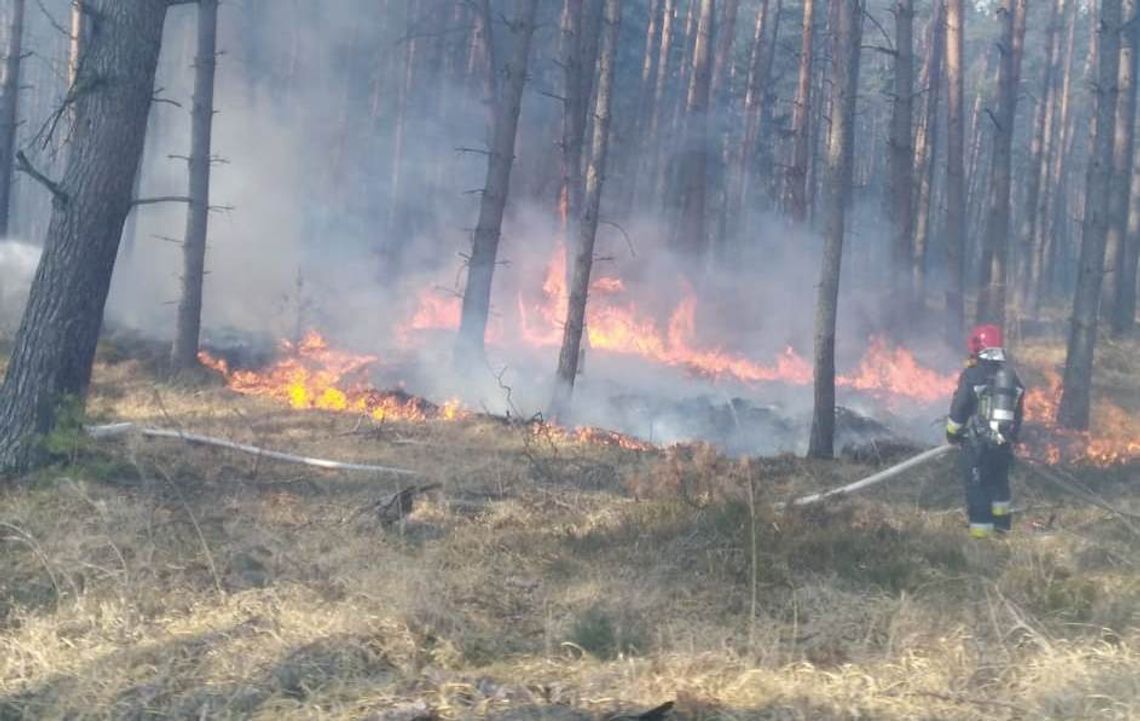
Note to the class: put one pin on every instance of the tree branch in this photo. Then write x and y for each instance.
(160, 199)
(25, 166)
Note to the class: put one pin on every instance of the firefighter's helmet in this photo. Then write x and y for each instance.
(984, 337)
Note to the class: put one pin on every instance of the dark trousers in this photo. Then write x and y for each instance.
(985, 470)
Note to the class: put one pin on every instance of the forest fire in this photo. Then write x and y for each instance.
(616, 324)
(1114, 439)
(310, 375)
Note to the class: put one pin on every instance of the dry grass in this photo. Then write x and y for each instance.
(543, 579)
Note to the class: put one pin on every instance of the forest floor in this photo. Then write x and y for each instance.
(544, 578)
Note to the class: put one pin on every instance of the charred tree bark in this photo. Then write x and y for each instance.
(1040, 150)
(184, 354)
(925, 144)
(796, 192)
(955, 181)
(692, 237)
(55, 346)
(1120, 183)
(584, 249)
(995, 257)
(1073, 410)
(900, 181)
(9, 109)
(485, 248)
(847, 37)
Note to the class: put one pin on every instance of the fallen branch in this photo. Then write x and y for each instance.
(119, 429)
(879, 477)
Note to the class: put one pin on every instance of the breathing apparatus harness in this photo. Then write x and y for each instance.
(994, 420)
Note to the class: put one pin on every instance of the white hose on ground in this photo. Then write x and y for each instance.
(119, 429)
(879, 477)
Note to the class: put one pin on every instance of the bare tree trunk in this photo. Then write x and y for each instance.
(481, 266)
(955, 182)
(584, 250)
(656, 106)
(184, 354)
(796, 176)
(1120, 183)
(573, 117)
(692, 237)
(1124, 305)
(78, 40)
(925, 144)
(649, 62)
(9, 106)
(391, 244)
(900, 180)
(1073, 410)
(1040, 270)
(846, 38)
(759, 70)
(725, 35)
(1040, 150)
(995, 256)
(481, 60)
(55, 346)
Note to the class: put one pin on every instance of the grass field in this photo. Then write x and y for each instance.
(543, 578)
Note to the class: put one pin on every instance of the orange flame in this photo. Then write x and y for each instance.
(1113, 439)
(313, 376)
(620, 327)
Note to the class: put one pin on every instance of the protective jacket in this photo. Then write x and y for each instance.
(985, 418)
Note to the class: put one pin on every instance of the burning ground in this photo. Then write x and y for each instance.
(545, 574)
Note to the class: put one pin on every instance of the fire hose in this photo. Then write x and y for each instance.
(883, 475)
(119, 429)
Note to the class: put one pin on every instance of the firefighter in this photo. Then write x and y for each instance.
(985, 418)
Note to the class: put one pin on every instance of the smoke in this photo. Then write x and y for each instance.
(309, 100)
(18, 262)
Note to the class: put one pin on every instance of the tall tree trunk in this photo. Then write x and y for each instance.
(796, 194)
(1120, 182)
(900, 180)
(925, 144)
(1040, 151)
(955, 182)
(1124, 305)
(656, 107)
(584, 250)
(573, 117)
(846, 39)
(481, 61)
(995, 257)
(692, 237)
(485, 248)
(55, 346)
(1040, 271)
(759, 70)
(9, 105)
(391, 245)
(184, 354)
(725, 36)
(1073, 410)
(649, 62)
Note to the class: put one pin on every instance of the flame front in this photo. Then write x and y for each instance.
(310, 375)
(620, 327)
(1113, 439)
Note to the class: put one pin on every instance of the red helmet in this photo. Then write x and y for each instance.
(983, 337)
